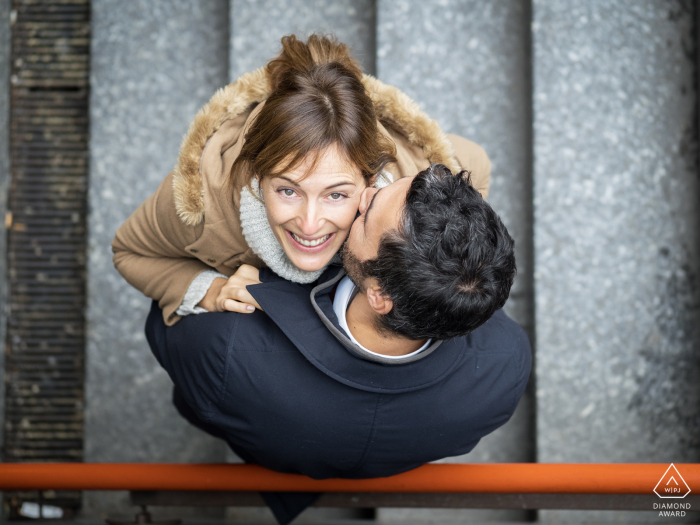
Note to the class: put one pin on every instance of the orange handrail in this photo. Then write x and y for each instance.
(496, 478)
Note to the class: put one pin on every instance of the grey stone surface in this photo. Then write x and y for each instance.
(4, 180)
(153, 65)
(467, 64)
(258, 25)
(616, 235)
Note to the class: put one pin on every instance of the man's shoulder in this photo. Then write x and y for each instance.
(223, 332)
(500, 334)
(499, 347)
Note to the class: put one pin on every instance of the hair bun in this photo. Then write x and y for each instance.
(303, 57)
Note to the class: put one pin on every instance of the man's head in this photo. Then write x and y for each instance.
(432, 257)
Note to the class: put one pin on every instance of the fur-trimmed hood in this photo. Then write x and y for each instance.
(392, 106)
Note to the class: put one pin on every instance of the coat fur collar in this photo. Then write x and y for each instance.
(391, 105)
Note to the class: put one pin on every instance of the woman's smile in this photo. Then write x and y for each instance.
(311, 211)
(310, 245)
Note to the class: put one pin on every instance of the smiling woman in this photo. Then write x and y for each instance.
(271, 174)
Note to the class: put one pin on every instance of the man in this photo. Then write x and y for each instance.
(408, 361)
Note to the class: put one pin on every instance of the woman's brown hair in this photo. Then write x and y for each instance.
(317, 100)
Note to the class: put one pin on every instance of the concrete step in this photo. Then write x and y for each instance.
(616, 243)
(153, 65)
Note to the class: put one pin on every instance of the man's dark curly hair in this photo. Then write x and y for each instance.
(450, 265)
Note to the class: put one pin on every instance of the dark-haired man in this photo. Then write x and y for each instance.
(429, 258)
(408, 361)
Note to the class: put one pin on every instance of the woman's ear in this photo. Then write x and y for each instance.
(380, 303)
(260, 188)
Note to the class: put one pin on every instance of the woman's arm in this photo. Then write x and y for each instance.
(149, 251)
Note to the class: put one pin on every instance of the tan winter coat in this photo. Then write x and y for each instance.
(191, 224)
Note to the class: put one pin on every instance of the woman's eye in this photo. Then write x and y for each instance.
(336, 196)
(287, 192)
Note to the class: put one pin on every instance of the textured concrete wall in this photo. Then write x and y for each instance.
(4, 180)
(616, 235)
(258, 25)
(467, 64)
(154, 64)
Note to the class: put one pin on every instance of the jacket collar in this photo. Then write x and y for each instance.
(305, 314)
(320, 294)
(394, 109)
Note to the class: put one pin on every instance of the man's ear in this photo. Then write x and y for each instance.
(381, 304)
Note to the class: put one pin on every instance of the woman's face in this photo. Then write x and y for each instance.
(312, 217)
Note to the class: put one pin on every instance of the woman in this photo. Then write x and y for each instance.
(271, 173)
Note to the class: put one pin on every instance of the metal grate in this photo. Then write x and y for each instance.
(46, 226)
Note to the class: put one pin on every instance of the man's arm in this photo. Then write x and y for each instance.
(193, 352)
(523, 360)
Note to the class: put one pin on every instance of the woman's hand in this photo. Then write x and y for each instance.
(231, 295)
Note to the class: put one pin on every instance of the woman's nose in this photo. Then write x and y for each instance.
(309, 220)
(366, 198)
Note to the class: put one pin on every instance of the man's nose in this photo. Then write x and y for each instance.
(366, 198)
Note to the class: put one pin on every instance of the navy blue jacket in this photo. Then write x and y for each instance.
(292, 397)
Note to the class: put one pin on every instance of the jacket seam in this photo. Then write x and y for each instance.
(516, 383)
(207, 416)
(229, 350)
(370, 438)
(518, 370)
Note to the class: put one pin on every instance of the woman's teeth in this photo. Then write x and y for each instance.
(311, 244)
